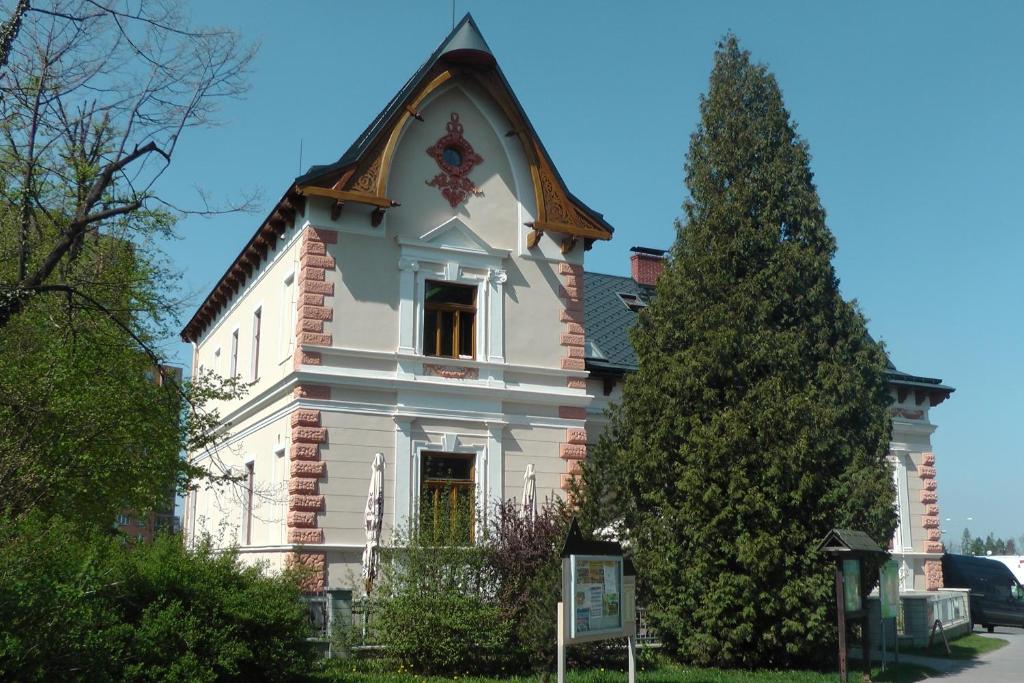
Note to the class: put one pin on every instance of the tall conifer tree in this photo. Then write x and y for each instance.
(758, 418)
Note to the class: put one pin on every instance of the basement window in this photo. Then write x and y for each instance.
(632, 302)
(449, 320)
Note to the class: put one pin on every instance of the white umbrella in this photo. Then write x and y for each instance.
(374, 519)
(530, 492)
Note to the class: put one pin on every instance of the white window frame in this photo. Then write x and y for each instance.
(488, 466)
(248, 502)
(255, 342)
(233, 359)
(288, 316)
(280, 488)
(467, 260)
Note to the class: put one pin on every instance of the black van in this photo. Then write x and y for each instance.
(997, 598)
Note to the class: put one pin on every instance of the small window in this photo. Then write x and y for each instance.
(250, 481)
(449, 320)
(632, 302)
(288, 315)
(447, 497)
(257, 320)
(234, 354)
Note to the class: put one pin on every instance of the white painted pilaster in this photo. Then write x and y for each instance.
(403, 471)
(496, 315)
(495, 465)
(407, 305)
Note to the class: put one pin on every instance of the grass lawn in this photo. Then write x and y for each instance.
(663, 674)
(967, 647)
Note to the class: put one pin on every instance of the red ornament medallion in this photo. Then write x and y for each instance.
(456, 158)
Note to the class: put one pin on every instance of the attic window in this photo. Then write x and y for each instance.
(632, 302)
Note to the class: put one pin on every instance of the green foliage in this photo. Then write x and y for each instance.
(758, 418)
(666, 673)
(976, 545)
(79, 605)
(84, 424)
(443, 606)
(434, 606)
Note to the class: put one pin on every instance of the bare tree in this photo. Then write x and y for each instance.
(94, 96)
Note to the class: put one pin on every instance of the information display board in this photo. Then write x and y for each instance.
(596, 596)
(889, 589)
(851, 585)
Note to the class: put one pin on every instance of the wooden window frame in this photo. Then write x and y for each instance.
(457, 310)
(436, 486)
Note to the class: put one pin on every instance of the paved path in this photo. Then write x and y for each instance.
(1005, 665)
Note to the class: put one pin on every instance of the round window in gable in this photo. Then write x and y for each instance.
(452, 156)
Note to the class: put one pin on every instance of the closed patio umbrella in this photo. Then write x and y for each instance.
(530, 492)
(374, 519)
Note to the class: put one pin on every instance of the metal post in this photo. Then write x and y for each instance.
(865, 645)
(561, 642)
(631, 642)
(865, 631)
(841, 618)
(881, 627)
(896, 634)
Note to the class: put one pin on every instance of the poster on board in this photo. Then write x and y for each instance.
(596, 593)
(851, 585)
(889, 589)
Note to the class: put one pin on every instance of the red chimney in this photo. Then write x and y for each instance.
(646, 265)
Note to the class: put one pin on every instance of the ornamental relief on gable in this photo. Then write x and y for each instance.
(455, 157)
(367, 182)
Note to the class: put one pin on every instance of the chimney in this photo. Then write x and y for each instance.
(646, 265)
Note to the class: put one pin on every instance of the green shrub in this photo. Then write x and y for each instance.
(435, 606)
(78, 604)
(444, 605)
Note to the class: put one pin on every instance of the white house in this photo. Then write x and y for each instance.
(420, 298)
(424, 297)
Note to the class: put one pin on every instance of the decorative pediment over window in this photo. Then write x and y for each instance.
(455, 235)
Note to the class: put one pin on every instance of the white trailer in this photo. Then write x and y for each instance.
(1014, 562)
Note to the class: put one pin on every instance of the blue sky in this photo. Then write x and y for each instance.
(912, 111)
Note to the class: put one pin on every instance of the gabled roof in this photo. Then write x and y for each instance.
(360, 174)
(608, 351)
(464, 37)
(365, 164)
(849, 542)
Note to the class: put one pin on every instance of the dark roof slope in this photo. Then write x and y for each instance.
(607, 319)
(465, 36)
